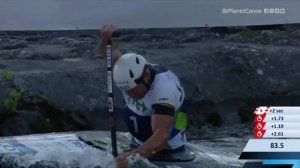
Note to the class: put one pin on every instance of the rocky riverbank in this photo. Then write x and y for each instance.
(55, 81)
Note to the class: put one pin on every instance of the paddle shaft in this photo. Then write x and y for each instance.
(112, 119)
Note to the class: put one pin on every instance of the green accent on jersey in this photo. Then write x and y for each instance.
(180, 120)
(141, 106)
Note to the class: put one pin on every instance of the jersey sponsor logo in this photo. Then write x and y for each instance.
(163, 99)
(138, 105)
(141, 106)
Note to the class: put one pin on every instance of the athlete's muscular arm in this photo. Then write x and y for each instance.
(161, 126)
(161, 122)
(106, 34)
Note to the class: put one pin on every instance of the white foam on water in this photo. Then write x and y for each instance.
(86, 158)
(66, 150)
(136, 161)
(224, 158)
(173, 166)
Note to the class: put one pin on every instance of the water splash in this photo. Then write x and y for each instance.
(56, 157)
(53, 150)
(136, 161)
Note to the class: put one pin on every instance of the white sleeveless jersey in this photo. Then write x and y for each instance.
(165, 89)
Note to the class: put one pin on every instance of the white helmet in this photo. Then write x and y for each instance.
(128, 70)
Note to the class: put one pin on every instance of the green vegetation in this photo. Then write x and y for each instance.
(248, 34)
(13, 99)
(288, 33)
(7, 75)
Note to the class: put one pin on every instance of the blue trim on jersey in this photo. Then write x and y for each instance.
(174, 132)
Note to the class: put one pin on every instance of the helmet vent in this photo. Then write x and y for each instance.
(137, 60)
(131, 74)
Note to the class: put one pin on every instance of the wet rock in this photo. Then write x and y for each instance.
(37, 52)
(26, 53)
(267, 34)
(70, 42)
(9, 54)
(144, 37)
(191, 38)
(283, 37)
(127, 38)
(83, 47)
(9, 44)
(206, 113)
(164, 44)
(245, 112)
(63, 68)
(36, 38)
(260, 71)
(17, 126)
